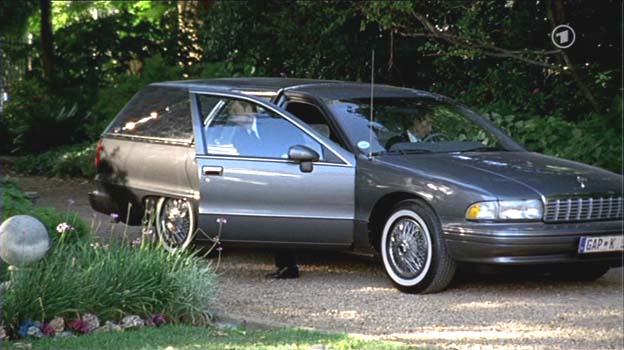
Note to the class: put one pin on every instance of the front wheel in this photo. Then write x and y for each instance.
(176, 222)
(413, 250)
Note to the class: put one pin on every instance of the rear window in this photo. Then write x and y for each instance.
(156, 111)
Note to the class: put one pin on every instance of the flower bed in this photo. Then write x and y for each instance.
(82, 281)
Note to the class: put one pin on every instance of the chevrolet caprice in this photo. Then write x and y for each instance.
(419, 178)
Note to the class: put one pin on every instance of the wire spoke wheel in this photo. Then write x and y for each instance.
(176, 223)
(408, 247)
(413, 250)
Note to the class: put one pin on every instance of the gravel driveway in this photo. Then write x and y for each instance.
(351, 294)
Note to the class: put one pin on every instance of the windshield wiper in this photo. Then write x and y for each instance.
(417, 151)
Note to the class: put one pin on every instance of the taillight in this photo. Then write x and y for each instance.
(98, 151)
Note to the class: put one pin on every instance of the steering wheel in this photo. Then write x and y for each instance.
(435, 136)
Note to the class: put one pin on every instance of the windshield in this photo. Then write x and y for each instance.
(414, 125)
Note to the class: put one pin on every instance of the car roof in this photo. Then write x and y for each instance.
(326, 89)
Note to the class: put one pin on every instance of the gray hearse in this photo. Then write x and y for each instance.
(417, 177)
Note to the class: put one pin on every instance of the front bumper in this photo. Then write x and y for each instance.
(527, 243)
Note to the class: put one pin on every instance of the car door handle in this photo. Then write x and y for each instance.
(212, 170)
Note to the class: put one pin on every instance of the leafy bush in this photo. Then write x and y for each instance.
(39, 120)
(66, 161)
(15, 202)
(590, 141)
(111, 282)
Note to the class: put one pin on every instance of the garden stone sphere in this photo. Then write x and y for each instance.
(23, 240)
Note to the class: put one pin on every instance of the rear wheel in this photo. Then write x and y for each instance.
(413, 250)
(176, 222)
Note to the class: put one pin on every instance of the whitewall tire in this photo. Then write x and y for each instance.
(413, 251)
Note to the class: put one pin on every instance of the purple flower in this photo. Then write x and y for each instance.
(114, 216)
(47, 330)
(159, 320)
(136, 242)
(80, 326)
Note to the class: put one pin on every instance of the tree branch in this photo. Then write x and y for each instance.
(518, 55)
(499, 53)
(577, 78)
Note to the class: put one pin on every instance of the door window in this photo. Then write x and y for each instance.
(242, 128)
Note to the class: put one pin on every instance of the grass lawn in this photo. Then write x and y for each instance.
(176, 337)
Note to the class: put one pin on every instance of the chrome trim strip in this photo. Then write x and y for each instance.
(150, 138)
(278, 216)
(215, 110)
(269, 243)
(276, 110)
(584, 195)
(263, 93)
(272, 160)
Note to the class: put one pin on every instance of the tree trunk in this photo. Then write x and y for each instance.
(47, 48)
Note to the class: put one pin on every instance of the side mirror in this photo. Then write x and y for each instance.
(305, 156)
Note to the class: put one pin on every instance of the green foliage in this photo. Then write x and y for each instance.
(40, 120)
(590, 141)
(111, 281)
(259, 35)
(14, 16)
(66, 161)
(182, 337)
(106, 51)
(15, 202)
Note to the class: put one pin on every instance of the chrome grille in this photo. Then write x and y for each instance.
(583, 209)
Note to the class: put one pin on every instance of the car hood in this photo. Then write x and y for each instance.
(546, 175)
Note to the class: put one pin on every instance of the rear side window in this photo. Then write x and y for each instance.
(156, 111)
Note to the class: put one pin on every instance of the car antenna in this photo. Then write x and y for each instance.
(370, 129)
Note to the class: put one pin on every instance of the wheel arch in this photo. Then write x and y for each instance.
(382, 209)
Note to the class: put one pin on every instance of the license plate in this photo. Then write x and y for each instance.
(601, 244)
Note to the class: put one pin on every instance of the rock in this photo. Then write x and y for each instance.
(32, 196)
(4, 286)
(132, 321)
(65, 334)
(92, 320)
(109, 326)
(34, 331)
(3, 334)
(58, 324)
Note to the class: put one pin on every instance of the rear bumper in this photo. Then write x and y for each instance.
(102, 203)
(528, 243)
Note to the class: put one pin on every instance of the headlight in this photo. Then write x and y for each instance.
(506, 210)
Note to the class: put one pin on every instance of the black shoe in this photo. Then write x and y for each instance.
(284, 272)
